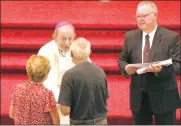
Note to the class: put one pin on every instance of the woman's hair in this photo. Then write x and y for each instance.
(37, 68)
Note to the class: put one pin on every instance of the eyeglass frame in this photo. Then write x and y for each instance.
(144, 16)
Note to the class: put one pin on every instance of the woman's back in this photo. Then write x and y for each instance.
(32, 103)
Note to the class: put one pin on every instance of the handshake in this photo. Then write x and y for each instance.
(141, 68)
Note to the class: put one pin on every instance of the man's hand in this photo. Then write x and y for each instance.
(154, 68)
(130, 70)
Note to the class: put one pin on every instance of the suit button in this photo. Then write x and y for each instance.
(141, 89)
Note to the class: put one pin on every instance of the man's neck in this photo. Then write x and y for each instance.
(150, 30)
(75, 61)
(61, 51)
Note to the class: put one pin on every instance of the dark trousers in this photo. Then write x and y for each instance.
(98, 121)
(145, 115)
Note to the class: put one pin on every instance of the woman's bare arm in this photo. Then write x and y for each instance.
(55, 116)
(11, 112)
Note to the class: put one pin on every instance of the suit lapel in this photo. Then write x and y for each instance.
(156, 41)
(138, 46)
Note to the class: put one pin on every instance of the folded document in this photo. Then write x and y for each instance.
(144, 67)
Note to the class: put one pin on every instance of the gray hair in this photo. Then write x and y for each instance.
(80, 48)
(149, 3)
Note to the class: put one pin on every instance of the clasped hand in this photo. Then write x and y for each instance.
(130, 70)
(155, 68)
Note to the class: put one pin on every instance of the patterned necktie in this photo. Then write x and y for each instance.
(146, 51)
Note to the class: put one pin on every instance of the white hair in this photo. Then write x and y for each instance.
(81, 48)
(149, 3)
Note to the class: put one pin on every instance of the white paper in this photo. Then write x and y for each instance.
(139, 65)
(163, 63)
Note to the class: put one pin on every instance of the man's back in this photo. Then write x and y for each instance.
(87, 86)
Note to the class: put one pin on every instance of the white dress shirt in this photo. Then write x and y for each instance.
(151, 36)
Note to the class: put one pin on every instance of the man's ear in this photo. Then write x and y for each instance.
(156, 15)
(53, 36)
(90, 52)
(74, 35)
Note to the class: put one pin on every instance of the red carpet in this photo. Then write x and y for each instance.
(83, 14)
(27, 25)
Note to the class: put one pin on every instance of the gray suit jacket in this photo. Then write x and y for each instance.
(162, 89)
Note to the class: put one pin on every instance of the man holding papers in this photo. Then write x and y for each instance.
(144, 67)
(154, 91)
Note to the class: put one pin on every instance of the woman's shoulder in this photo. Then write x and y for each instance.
(20, 86)
(48, 91)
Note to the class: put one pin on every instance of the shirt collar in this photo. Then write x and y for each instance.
(151, 34)
(64, 54)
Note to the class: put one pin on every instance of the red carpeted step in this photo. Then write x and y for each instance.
(83, 14)
(27, 25)
(33, 39)
(118, 103)
(17, 61)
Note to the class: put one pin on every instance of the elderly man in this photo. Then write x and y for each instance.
(84, 92)
(154, 92)
(57, 51)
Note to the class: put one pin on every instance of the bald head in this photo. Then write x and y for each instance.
(80, 49)
(148, 4)
(64, 28)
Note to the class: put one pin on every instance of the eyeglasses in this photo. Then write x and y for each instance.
(144, 16)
